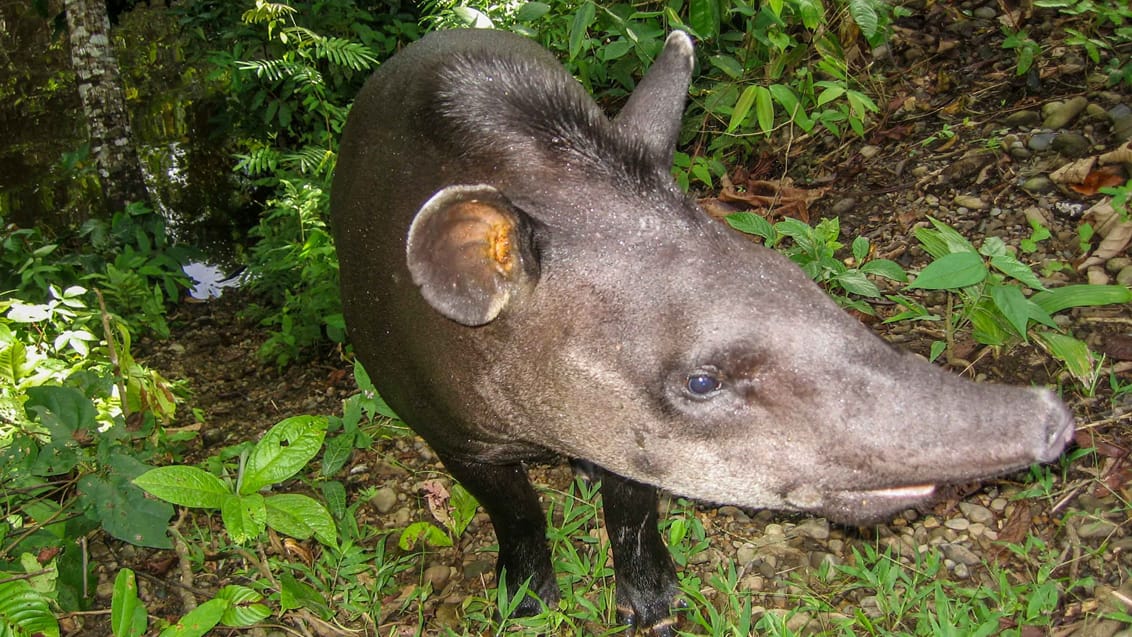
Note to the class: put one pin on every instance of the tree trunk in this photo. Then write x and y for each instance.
(104, 102)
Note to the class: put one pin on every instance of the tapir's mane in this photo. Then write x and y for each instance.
(515, 108)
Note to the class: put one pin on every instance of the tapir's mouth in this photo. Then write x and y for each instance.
(861, 506)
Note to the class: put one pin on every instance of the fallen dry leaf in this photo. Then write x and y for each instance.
(777, 197)
(1074, 172)
(1115, 233)
(1100, 178)
(1122, 155)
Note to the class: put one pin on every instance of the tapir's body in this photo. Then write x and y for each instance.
(523, 279)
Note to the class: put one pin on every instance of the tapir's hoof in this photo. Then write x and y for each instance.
(659, 627)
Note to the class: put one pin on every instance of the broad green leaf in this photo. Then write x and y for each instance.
(282, 452)
(334, 493)
(703, 17)
(860, 248)
(1070, 351)
(1015, 269)
(742, 107)
(22, 606)
(531, 11)
(751, 223)
(464, 507)
(198, 621)
(865, 15)
(937, 348)
(952, 272)
(244, 516)
(885, 268)
(63, 410)
(955, 241)
(1014, 306)
(583, 18)
(728, 64)
(244, 609)
(124, 512)
(127, 614)
(1082, 295)
(615, 49)
(301, 517)
(337, 453)
(764, 109)
(185, 486)
(854, 281)
(829, 94)
(295, 594)
(426, 531)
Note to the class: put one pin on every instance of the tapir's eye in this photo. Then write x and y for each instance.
(703, 384)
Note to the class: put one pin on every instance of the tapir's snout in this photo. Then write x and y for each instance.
(1059, 427)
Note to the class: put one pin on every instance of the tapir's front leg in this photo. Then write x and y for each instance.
(505, 493)
(645, 578)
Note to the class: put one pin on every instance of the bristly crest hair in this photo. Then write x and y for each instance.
(510, 107)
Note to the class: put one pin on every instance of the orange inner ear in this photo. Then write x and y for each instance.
(499, 246)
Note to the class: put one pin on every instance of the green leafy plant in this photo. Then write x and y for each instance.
(282, 452)
(815, 250)
(987, 293)
(454, 508)
(233, 606)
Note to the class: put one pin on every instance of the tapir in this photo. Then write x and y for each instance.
(524, 281)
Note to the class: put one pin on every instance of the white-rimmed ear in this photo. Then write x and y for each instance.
(655, 110)
(471, 252)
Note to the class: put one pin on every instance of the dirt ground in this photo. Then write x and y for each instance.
(960, 138)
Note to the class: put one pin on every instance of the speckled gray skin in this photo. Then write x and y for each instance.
(523, 279)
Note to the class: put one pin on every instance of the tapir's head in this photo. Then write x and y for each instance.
(614, 321)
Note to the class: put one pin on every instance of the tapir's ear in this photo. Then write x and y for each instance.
(471, 252)
(654, 110)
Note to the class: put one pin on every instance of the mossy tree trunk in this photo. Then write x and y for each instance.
(104, 102)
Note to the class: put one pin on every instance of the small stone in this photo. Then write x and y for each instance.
(1097, 529)
(1039, 142)
(438, 575)
(1121, 117)
(999, 504)
(383, 499)
(1064, 113)
(814, 528)
(1037, 184)
(984, 13)
(957, 524)
(969, 201)
(960, 554)
(1124, 277)
(746, 553)
(734, 513)
(1023, 119)
(1071, 144)
(843, 205)
(1116, 264)
(961, 571)
(869, 151)
(976, 513)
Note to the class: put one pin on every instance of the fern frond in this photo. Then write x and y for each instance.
(343, 52)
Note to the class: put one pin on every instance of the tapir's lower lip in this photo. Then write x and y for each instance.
(870, 505)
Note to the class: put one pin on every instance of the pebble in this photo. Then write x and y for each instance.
(976, 513)
(843, 206)
(1096, 528)
(984, 13)
(1124, 277)
(1071, 144)
(868, 151)
(1022, 119)
(1037, 184)
(1116, 264)
(960, 554)
(957, 524)
(1064, 112)
(814, 528)
(1121, 117)
(438, 575)
(969, 201)
(1039, 142)
(383, 499)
